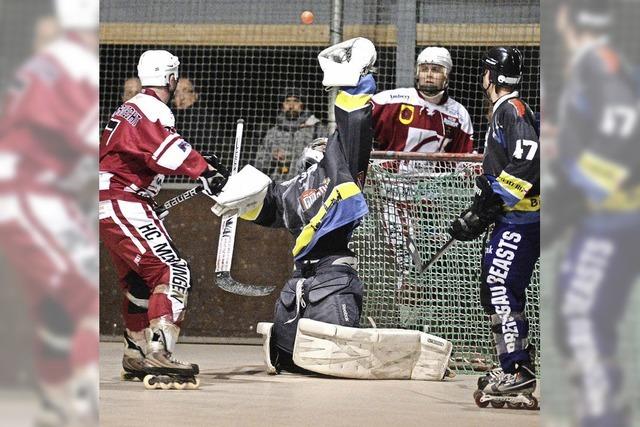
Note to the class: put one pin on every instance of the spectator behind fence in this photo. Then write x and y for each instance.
(189, 108)
(185, 95)
(131, 88)
(284, 143)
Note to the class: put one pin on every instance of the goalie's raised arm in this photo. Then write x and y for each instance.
(344, 63)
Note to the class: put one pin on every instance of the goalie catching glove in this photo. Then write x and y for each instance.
(484, 211)
(215, 177)
(243, 194)
(344, 63)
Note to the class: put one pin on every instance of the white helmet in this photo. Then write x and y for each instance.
(435, 55)
(156, 67)
(78, 14)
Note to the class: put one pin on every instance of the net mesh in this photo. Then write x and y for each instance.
(411, 204)
(241, 55)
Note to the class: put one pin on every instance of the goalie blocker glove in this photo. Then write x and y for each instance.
(213, 180)
(484, 211)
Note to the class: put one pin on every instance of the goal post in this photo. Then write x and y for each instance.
(412, 199)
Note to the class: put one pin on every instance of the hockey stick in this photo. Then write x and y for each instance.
(227, 240)
(438, 254)
(178, 199)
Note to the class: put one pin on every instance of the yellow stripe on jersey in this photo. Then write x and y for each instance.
(348, 102)
(620, 201)
(604, 173)
(515, 186)
(528, 204)
(340, 192)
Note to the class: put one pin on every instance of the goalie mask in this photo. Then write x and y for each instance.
(433, 67)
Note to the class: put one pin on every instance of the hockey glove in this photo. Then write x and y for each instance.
(215, 177)
(484, 211)
(244, 192)
(344, 63)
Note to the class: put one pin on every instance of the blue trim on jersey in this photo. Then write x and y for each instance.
(514, 217)
(350, 210)
(591, 190)
(499, 136)
(581, 103)
(366, 85)
(519, 217)
(508, 198)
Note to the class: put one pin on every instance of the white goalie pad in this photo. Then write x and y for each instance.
(243, 192)
(362, 353)
(264, 328)
(344, 63)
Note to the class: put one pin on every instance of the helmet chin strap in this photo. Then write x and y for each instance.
(431, 91)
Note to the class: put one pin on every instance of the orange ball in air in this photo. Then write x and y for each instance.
(306, 17)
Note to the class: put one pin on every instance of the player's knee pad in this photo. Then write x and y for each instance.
(137, 293)
(332, 296)
(510, 333)
(55, 328)
(335, 297)
(286, 315)
(370, 353)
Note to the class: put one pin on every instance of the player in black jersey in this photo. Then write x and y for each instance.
(508, 196)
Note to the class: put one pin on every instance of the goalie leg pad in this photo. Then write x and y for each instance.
(264, 328)
(370, 353)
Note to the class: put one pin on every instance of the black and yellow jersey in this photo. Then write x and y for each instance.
(512, 159)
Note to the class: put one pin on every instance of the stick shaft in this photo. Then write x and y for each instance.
(438, 254)
(181, 197)
(228, 222)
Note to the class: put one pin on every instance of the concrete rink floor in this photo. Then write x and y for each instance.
(235, 391)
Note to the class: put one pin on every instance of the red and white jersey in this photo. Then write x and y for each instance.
(50, 117)
(139, 146)
(404, 120)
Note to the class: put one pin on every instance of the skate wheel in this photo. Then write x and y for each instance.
(180, 385)
(497, 404)
(194, 385)
(516, 405)
(477, 396)
(533, 403)
(150, 382)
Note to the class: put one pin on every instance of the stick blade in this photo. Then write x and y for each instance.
(227, 283)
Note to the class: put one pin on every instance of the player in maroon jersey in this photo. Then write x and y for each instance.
(421, 119)
(139, 146)
(48, 147)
